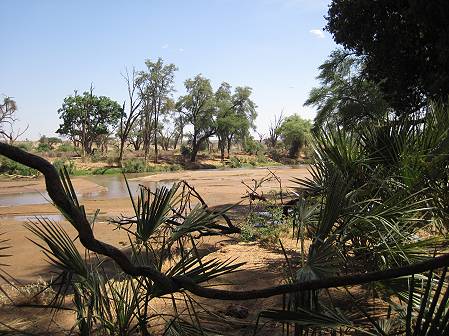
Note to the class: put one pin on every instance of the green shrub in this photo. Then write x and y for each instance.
(98, 156)
(69, 165)
(135, 166)
(252, 146)
(275, 154)
(234, 162)
(174, 167)
(267, 226)
(26, 146)
(43, 147)
(106, 171)
(8, 166)
(186, 151)
(65, 147)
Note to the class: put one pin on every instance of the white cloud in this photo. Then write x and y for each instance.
(165, 46)
(181, 49)
(318, 33)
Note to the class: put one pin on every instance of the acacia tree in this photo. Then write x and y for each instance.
(86, 117)
(235, 116)
(156, 88)
(346, 98)
(405, 45)
(127, 120)
(199, 109)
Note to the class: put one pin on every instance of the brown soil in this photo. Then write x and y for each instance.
(263, 265)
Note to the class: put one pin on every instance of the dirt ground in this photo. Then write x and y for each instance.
(263, 265)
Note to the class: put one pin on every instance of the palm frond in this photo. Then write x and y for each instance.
(59, 249)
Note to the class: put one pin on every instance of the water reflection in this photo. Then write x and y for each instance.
(115, 184)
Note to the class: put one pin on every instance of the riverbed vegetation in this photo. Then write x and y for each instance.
(367, 230)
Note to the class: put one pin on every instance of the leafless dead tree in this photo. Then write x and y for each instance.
(8, 110)
(128, 120)
(274, 129)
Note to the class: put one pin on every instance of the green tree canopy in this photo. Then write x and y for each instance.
(405, 44)
(156, 87)
(295, 132)
(235, 115)
(86, 117)
(345, 98)
(199, 109)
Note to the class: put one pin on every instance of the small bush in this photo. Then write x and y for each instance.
(26, 146)
(174, 167)
(186, 151)
(275, 154)
(97, 156)
(265, 226)
(112, 160)
(234, 162)
(65, 148)
(69, 165)
(261, 159)
(106, 171)
(43, 147)
(11, 167)
(252, 146)
(135, 166)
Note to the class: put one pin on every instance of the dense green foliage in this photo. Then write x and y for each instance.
(346, 98)
(198, 108)
(236, 114)
(376, 200)
(86, 118)
(11, 167)
(404, 44)
(295, 133)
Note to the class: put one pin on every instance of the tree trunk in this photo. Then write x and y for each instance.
(229, 143)
(195, 148)
(221, 145)
(155, 137)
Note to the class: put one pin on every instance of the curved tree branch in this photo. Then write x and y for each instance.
(173, 284)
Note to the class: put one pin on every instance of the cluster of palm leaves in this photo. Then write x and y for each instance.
(163, 234)
(377, 199)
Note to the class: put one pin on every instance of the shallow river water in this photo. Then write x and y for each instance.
(115, 184)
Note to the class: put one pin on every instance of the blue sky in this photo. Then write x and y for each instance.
(51, 48)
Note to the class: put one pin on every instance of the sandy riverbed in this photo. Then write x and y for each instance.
(216, 186)
(263, 265)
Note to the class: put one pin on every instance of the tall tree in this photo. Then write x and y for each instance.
(86, 117)
(127, 120)
(236, 115)
(346, 98)
(405, 44)
(225, 122)
(156, 88)
(199, 110)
